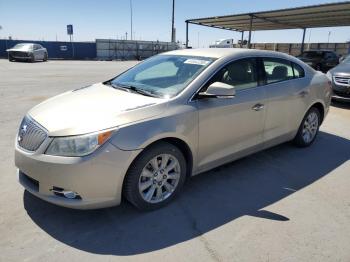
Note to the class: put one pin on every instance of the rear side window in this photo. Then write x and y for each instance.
(277, 70)
(298, 71)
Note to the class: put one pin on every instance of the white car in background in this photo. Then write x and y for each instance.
(27, 51)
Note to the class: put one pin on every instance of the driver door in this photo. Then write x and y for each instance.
(231, 127)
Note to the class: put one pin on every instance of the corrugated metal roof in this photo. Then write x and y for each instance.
(326, 15)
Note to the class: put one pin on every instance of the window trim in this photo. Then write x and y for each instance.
(261, 78)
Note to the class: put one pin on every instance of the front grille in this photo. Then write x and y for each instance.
(342, 80)
(30, 135)
(19, 54)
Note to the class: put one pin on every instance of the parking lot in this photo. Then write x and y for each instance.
(282, 204)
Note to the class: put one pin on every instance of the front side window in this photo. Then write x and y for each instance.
(241, 74)
(277, 70)
(163, 75)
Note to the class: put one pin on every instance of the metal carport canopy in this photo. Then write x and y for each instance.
(325, 15)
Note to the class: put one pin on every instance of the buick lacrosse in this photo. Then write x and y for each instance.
(175, 115)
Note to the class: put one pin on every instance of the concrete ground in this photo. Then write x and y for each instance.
(282, 204)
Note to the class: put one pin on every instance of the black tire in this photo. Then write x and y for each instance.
(45, 57)
(32, 58)
(11, 59)
(131, 182)
(299, 139)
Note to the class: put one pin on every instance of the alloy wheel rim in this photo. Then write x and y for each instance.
(310, 127)
(159, 178)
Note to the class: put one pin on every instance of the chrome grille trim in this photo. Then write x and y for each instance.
(342, 80)
(30, 135)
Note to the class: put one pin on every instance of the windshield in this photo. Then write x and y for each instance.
(162, 75)
(312, 54)
(347, 60)
(23, 46)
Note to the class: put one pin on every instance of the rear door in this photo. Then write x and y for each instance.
(231, 126)
(287, 95)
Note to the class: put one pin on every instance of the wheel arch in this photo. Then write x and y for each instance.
(320, 107)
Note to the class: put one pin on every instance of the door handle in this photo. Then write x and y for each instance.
(258, 107)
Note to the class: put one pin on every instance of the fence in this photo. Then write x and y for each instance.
(57, 50)
(108, 49)
(294, 49)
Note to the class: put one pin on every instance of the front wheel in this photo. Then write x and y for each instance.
(45, 57)
(308, 129)
(11, 59)
(155, 177)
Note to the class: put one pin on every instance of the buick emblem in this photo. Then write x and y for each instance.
(22, 132)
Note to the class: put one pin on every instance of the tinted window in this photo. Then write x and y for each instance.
(330, 55)
(277, 70)
(241, 74)
(298, 71)
(312, 54)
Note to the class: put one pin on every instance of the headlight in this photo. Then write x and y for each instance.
(329, 75)
(77, 145)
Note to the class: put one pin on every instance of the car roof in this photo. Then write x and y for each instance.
(224, 52)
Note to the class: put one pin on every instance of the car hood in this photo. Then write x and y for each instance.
(18, 50)
(94, 108)
(341, 69)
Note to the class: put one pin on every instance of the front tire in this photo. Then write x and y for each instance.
(155, 177)
(45, 57)
(309, 128)
(11, 59)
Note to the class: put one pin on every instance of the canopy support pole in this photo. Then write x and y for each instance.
(302, 43)
(250, 31)
(186, 34)
(242, 38)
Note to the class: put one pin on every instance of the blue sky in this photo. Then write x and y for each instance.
(45, 19)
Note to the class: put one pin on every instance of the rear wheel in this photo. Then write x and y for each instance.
(308, 129)
(155, 177)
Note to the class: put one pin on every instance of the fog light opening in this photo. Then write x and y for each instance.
(58, 191)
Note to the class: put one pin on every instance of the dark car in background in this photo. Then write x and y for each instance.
(321, 60)
(340, 77)
(28, 52)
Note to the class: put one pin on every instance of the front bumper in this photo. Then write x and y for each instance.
(341, 93)
(20, 55)
(97, 178)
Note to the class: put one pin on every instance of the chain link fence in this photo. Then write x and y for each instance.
(108, 49)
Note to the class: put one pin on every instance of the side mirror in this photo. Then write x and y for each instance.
(219, 90)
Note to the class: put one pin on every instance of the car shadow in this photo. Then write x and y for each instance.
(208, 201)
(339, 104)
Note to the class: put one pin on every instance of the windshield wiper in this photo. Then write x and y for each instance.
(136, 90)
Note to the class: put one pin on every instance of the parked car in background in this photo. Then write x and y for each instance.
(321, 60)
(340, 77)
(27, 51)
(174, 115)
